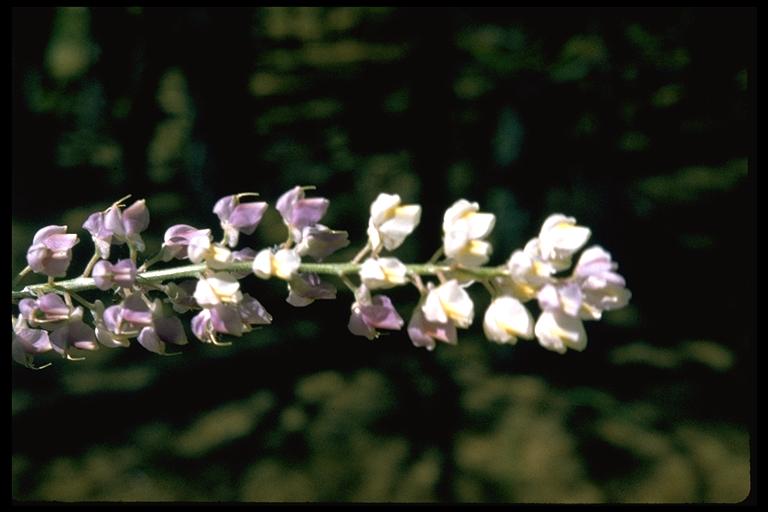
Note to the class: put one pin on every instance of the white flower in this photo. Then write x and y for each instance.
(528, 273)
(560, 238)
(390, 223)
(283, 263)
(602, 288)
(463, 230)
(566, 297)
(217, 289)
(382, 273)
(506, 319)
(449, 301)
(201, 248)
(558, 332)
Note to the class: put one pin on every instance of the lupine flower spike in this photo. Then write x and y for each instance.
(145, 307)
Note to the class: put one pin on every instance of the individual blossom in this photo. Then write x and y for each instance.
(116, 226)
(449, 302)
(507, 319)
(300, 212)
(527, 272)
(424, 333)
(28, 342)
(136, 318)
(601, 287)
(390, 222)
(73, 333)
(47, 311)
(559, 239)
(65, 323)
(51, 251)
(236, 217)
(202, 248)
(105, 327)
(372, 313)
(306, 287)
(464, 230)
(283, 263)
(106, 275)
(319, 242)
(176, 241)
(383, 273)
(217, 288)
(232, 319)
(558, 331)
(119, 323)
(164, 330)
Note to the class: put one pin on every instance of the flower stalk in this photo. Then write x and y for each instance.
(79, 284)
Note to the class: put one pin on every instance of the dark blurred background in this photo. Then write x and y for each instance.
(638, 123)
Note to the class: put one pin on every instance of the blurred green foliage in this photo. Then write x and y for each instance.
(635, 122)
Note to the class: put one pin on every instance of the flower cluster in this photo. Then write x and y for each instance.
(146, 306)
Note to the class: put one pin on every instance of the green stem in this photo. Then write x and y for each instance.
(193, 271)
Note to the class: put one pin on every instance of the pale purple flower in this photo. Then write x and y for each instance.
(164, 329)
(233, 319)
(28, 342)
(319, 241)
(106, 275)
(134, 318)
(48, 310)
(101, 236)
(424, 333)
(237, 217)
(51, 251)
(73, 334)
(307, 287)
(299, 212)
(126, 320)
(108, 338)
(601, 287)
(116, 226)
(176, 241)
(372, 313)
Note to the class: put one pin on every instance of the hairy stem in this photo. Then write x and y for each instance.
(193, 271)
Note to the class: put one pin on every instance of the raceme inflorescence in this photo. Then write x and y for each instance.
(146, 305)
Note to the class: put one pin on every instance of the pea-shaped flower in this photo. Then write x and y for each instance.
(558, 332)
(306, 287)
(372, 313)
(28, 342)
(51, 251)
(233, 319)
(319, 242)
(284, 263)
(390, 222)
(217, 288)
(106, 275)
(202, 248)
(383, 273)
(560, 238)
(449, 302)
(464, 228)
(601, 287)
(300, 212)
(177, 239)
(506, 319)
(236, 217)
(424, 333)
